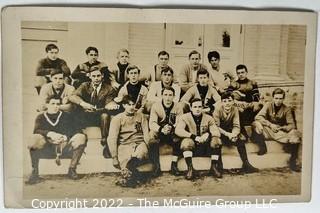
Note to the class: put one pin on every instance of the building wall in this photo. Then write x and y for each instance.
(275, 52)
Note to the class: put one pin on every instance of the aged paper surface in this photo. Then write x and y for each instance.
(26, 31)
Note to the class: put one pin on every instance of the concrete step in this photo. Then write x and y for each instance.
(93, 161)
(95, 164)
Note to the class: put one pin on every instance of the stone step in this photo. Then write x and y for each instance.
(96, 164)
(94, 148)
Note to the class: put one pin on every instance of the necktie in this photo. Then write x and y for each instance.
(94, 96)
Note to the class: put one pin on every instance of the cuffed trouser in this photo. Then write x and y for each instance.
(204, 149)
(131, 150)
(292, 137)
(38, 142)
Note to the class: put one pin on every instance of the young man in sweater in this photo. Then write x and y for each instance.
(247, 97)
(202, 90)
(128, 142)
(198, 133)
(275, 122)
(57, 87)
(134, 88)
(217, 78)
(119, 71)
(156, 72)
(226, 116)
(162, 123)
(95, 103)
(48, 64)
(188, 73)
(81, 72)
(55, 128)
(155, 90)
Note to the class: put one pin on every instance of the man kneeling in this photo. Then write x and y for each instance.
(55, 128)
(226, 116)
(127, 142)
(199, 133)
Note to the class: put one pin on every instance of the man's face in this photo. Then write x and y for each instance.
(53, 54)
(133, 76)
(53, 106)
(203, 80)
(92, 56)
(167, 97)
(196, 108)
(129, 107)
(227, 103)
(214, 62)
(96, 77)
(242, 74)
(166, 77)
(194, 60)
(163, 60)
(278, 99)
(123, 58)
(57, 81)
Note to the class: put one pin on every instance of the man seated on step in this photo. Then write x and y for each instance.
(226, 116)
(217, 77)
(119, 70)
(156, 71)
(134, 88)
(57, 88)
(95, 104)
(155, 91)
(128, 142)
(81, 72)
(162, 123)
(48, 64)
(57, 130)
(247, 97)
(188, 74)
(202, 90)
(198, 133)
(275, 122)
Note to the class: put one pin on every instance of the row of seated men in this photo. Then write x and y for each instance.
(206, 117)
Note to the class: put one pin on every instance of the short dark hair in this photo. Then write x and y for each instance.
(126, 99)
(194, 52)
(50, 97)
(241, 66)
(94, 68)
(92, 49)
(226, 95)
(194, 100)
(56, 72)
(51, 47)
(202, 71)
(163, 52)
(213, 54)
(279, 91)
(167, 88)
(167, 69)
(132, 67)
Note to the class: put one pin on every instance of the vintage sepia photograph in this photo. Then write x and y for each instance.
(162, 106)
